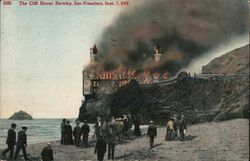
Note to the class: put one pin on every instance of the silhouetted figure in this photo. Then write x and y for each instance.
(77, 133)
(175, 120)
(152, 133)
(103, 129)
(47, 153)
(125, 126)
(170, 129)
(137, 131)
(10, 141)
(63, 131)
(100, 148)
(69, 139)
(118, 127)
(130, 122)
(182, 127)
(85, 133)
(21, 143)
(97, 127)
(111, 141)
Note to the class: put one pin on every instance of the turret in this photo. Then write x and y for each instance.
(157, 54)
(93, 52)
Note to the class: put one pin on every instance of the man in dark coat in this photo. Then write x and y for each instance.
(77, 133)
(11, 141)
(85, 133)
(100, 148)
(63, 131)
(182, 127)
(152, 133)
(175, 120)
(137, 131)
(111, 140)
(47, 153)
(21, 143)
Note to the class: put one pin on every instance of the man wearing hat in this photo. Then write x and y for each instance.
(182, 127)
(85, 133)
(11, 141)
(21, 143)
(47, 153)
(152, 133)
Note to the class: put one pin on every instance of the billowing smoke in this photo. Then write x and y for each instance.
(183, 29)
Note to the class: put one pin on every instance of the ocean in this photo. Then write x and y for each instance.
(39, 130)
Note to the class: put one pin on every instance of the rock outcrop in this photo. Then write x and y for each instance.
(21, 115)
(234, 62)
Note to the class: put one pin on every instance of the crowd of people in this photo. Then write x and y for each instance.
(107, 133)
(176, 127)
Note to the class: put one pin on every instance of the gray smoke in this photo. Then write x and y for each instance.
(183, 29)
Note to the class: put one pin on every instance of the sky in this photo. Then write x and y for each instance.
(45, 48)
(43, 52)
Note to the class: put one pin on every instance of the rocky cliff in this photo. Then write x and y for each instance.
(236, 61)
(21, 115)
(205, 97)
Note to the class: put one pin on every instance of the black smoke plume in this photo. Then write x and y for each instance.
(184, 29)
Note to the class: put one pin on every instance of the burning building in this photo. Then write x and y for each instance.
(98, 81)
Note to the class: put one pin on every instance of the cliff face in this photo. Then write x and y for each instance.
(21, 115)
(202, 98)
(234, 62)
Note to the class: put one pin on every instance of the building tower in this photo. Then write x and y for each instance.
(157, 54)
(93, 52)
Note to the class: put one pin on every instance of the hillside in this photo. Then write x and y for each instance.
(236, 61)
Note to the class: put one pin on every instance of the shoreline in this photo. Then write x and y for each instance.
(228, 140)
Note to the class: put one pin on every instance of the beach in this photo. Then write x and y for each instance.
(228, 140)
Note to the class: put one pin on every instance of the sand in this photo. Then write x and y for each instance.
(220, 141)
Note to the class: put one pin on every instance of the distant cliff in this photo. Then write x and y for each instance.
(21, 115)
(234, 62)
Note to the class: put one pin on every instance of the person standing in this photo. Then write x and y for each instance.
(130, 122)
(125, 126)
(21, 143)
(170, 129)
(63, 131)
(182, 127)
(152, 133)
(137, 131)
(118, 127)
(11, 141)
(97, 127)
(47, 153)
(77, 133)
(100, 148)
(111, 141)
(175, 120)
(69, 139)
(85, 133)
